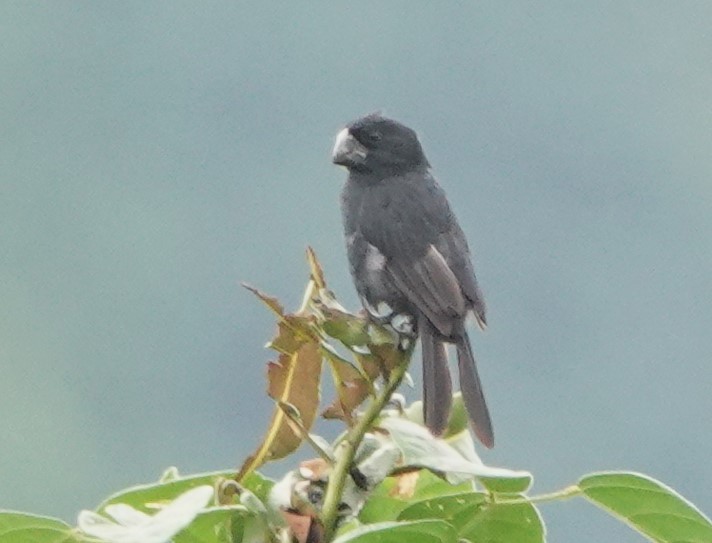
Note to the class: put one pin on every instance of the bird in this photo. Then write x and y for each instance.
(410, 260)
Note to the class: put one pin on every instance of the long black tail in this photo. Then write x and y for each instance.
(472, 393)
(437, 385)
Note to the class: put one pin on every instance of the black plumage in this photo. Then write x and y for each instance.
(410, 260)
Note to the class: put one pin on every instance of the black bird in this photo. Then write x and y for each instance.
(410, 260)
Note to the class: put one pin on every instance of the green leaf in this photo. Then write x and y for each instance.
(477, 519)
(458, 420)
(385, 502)
(648, 506)
(420, 448)
(25, 528)
(214, 525)
(349, 329)
(503, 523)
(445, 507)
(420, 531)
(381, 509)
(430, 485)
(139, 496)
(506, 481)
(496, 480)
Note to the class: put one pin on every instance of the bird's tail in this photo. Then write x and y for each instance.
(472, 393)
(437, 385)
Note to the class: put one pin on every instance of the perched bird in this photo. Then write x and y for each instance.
(410, 260)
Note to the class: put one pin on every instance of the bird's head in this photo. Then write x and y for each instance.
(380, 146)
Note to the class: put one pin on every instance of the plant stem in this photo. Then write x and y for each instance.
(350, 443)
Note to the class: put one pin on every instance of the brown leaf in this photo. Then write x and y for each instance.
(352, 387)
(386, 357)
(286, 341)
(350, 396)
(317, 272)
(370, 365)
(334, 411)
(293, 379)
(269, 301)
(293, 331)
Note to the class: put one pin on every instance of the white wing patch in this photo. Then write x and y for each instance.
(403, 324)
(380, 312)
(375, 261)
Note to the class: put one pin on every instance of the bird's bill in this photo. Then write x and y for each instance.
(348, 151)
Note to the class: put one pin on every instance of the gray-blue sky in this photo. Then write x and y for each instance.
(155, 154)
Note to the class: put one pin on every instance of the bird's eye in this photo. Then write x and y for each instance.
(375, 136)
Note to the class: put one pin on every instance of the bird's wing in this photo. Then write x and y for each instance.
(453, 246)
(405, 224)
(431, 286)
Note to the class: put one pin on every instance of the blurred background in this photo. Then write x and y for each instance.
(155, 154)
